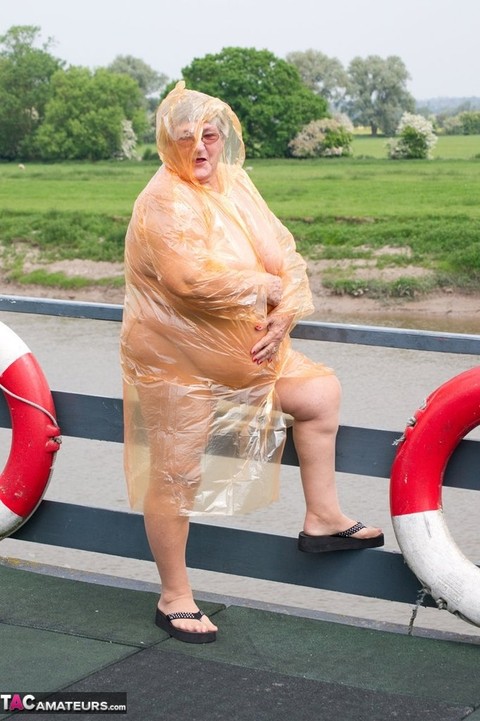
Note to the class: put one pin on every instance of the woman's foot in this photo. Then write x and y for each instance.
(315, 526)
(187, 605)
(333, 537)
(166, 624)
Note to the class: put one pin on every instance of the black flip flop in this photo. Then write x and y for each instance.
(164, 621)
(342, 541)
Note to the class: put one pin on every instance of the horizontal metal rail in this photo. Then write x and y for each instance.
(360, 451)
(332, 332)
(374, 574)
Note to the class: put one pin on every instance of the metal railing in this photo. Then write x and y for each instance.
(360, 451)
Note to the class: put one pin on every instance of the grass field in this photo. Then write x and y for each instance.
(460, 147)
(402, 213)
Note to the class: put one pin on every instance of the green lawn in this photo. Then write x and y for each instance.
(365, 188)
(294, 188)
(461, 147)
(336, 208)
(108, 187)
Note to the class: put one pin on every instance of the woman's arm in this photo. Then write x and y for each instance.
(277, 242)
(190, 272)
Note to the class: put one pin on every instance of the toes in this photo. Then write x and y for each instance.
(207, 625)
(193, 626)
(369, 532)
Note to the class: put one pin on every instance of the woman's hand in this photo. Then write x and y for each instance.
(277, 327)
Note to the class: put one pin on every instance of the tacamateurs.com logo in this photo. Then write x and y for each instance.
(67, 702)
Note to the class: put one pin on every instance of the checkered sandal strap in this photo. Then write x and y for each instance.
(350, 531)
(185, 614)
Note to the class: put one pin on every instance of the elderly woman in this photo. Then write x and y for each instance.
(213, 287)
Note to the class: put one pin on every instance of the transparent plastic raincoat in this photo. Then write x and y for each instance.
(203, 429)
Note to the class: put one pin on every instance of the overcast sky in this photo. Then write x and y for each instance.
(438, 40)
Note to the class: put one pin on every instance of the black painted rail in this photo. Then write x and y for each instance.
(360, 451)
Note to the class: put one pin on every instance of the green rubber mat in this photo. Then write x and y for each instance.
(35, 660)
(326, 651)
(71, 635)
(104, 612)
(171, 686)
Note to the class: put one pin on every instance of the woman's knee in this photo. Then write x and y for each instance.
(334, 389)
(326, 399)
(309, 398)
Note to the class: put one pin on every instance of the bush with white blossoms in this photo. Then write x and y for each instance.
(415, 138)
(328, 137)
(128, 142)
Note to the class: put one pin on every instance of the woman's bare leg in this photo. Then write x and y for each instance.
(314, 404)
(175, 475)
(167, 537)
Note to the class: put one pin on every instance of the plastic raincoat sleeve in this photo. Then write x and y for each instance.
(190, 271)
(296, 298)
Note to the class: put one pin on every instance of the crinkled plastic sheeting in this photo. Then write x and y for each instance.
(203, 429)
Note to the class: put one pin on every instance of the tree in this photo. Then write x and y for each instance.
(377, 95)
(25, 73)
(85, 118)
(151, 83)
(266, 93)
(325, 76)
(149, 80)
(470, 122)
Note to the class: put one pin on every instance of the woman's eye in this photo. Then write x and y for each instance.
(210, 137)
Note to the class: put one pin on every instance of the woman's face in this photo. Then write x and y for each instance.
(207, 151)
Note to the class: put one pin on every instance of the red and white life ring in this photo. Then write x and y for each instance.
(35, 432)
(449, 413)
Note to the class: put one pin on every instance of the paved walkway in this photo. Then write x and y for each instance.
(73, 635)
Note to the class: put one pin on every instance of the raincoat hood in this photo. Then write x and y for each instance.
(185, 112)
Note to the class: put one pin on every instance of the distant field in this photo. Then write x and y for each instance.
(294, 188)
(424, 213)
(369, 188)
(462, 147)
(108, 187)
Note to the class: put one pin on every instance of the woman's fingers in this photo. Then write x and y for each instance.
(266, 348)
(277, 327)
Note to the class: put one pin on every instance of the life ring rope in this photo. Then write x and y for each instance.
(34, 405)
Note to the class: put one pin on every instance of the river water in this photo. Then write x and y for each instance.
(382, 388)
